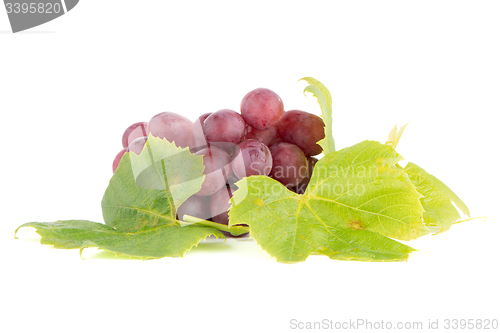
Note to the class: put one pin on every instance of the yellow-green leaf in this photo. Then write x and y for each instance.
(139, 207)
(162, 241)
(325, 102)
(146, 189)
(437, 199)
(356, 201)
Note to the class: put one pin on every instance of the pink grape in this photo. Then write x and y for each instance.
(217, 170)
(301, 188)
(198, 133)
(133, 132)
(118, 158)
(137, 145)
(289, 164)
(251, 157)
(262, 108)
(267, 136)
(303, 129)
(224, 129)
(173, 127)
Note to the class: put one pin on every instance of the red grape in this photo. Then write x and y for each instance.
(303, 129)
(301, 188)
(137, 145)
(251, 157)
(118, 158)
(289, 164)
(133, 132)
(217, 170)
(224, 128)
(262, 108)
(267, 136)
(198, 132)
(173, 127)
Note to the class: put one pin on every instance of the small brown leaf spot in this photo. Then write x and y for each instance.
(259, 202)
(356, 224)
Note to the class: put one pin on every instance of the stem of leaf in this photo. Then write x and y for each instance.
(472, 218)
(235, 230)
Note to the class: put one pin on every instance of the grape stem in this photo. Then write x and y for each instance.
(235, 230)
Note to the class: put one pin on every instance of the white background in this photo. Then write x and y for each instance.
(70, 87)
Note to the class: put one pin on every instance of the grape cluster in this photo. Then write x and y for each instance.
(262, 139)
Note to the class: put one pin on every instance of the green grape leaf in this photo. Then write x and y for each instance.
(395, 135)
(139, 207)
(437, 199)
(147, 188)
(356, 201)
(162, 241)
(325, 101)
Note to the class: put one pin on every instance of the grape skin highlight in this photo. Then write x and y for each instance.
(137, 145)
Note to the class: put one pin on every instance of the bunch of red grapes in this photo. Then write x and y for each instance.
(262, 139)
